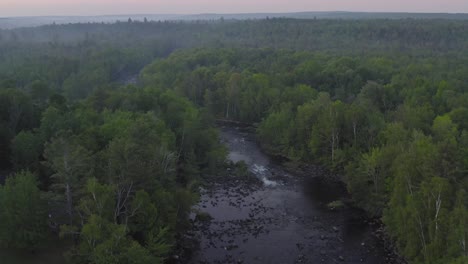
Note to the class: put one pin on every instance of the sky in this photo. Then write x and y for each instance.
(109, 7)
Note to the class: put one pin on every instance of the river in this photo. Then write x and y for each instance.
(280, 217)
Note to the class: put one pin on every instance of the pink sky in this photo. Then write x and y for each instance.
(101, 7)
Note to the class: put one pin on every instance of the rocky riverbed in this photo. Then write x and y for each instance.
(273, 215)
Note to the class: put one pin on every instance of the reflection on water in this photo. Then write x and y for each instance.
(322, 192)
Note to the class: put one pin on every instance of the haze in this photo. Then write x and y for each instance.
(9, 8)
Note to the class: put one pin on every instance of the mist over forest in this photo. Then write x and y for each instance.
(25, 21)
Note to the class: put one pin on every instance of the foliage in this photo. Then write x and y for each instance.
(23, 214)
(380, 120)
(382, 101)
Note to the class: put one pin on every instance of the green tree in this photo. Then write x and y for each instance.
(23, 214)
(275, 131)
(446, 134)
(328, 131)
(106, 237)
(458, 227)
(25, 150)
(39, 91)
(367, 181)
(71, 164)
(415, 203)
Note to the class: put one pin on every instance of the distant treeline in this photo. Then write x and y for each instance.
(18, 22)
(342, 36)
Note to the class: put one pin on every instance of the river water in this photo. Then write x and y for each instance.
(283, 218)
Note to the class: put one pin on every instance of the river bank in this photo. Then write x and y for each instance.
(279, 216)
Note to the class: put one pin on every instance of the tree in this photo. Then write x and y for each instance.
(139, 238)
(415, 208)
(16, 114)
(16, 110)
(105, 242)
(327, 132)
(366, 181)
(446, 134)
(458, 231)
(39, 91)
(23, 215)
(53, 121)
(356, 117)
(26, 150)
(232, 95)
(71, 164)
(275, 131)
(99, 200)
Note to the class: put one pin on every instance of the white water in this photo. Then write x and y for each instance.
(261, 171)
(243, 149)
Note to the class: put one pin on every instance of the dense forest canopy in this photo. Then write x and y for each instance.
(396, 127)
(115, 168)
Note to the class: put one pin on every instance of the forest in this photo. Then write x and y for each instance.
(113, 168)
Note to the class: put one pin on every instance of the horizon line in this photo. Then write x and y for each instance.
(237, 13)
